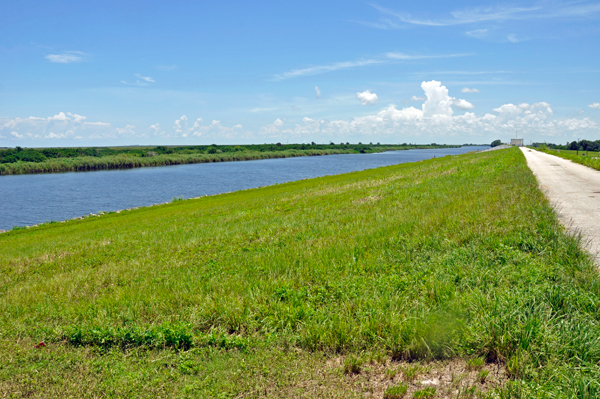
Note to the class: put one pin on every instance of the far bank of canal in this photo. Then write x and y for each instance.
(32, 199)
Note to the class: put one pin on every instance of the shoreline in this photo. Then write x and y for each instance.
(129, 161)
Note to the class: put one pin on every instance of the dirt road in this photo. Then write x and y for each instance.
(575, 192)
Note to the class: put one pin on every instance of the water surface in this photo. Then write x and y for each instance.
(31, 199)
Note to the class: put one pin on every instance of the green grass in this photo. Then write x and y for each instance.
(256, 293)
(587, 158)
(396, 392)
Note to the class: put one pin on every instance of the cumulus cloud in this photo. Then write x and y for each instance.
(436, 120)
(462, 104)
(64, 125)
(214, 130)
(318, 92)
(594, 105)
(367, 98)
(467, 90)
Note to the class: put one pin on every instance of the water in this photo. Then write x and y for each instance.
(31, 199)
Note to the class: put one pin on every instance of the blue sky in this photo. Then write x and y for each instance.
(118, 73)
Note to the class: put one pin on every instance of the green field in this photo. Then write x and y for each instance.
(19, 160)
(343, 286)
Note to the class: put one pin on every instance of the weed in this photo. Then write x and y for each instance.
(353, 364)
(482, 375)
(467, 392)
(395, 392)
(391, 373)
(475, 363)
(411, 372)
(425, 393)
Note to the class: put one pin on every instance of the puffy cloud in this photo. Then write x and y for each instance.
(462, 104)
(64, 125)
(127, 131)
(367, 98)
(437, 121)
(467, 90)
(318, 92)
(594, 105)
(181, 127)
(438, 101)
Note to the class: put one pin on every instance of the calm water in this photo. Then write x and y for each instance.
(31, 199)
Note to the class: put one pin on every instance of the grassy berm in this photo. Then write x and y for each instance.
(342, 286)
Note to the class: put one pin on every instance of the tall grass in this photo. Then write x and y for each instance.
(453, 257)
(127, 161)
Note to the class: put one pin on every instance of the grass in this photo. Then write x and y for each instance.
(256, 293)
(396, 392)
(587, 158)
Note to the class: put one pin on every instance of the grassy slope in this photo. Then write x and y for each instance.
(587, 158)
(252, 293)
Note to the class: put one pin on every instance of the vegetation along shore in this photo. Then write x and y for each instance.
(449, 277)
(18, 160)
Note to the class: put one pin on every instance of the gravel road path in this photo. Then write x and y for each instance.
(575, 192)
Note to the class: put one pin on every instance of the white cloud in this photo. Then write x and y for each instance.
(67, 57)
(145, 78)
(594, 105)
(467, 90)
(544, 10)
(318, 92)
(477, 33)
(462, 104)
(105, 124)
(258, 110)
(415, 98)
(64, 125)
(59, 117)
(316, 70)
(512, 38)
(127, 131)
(408, 57)
(367, 98)
(436, 120)
(140, 81)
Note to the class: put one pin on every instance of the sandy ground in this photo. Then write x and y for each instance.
(574, 190)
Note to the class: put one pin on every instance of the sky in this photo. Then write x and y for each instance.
(96, 73)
